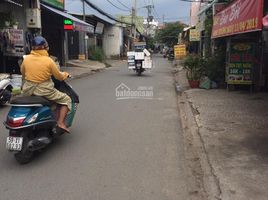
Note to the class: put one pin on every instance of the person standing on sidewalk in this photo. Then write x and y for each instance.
(37, 69)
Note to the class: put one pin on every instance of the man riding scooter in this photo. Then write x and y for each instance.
(37, 69)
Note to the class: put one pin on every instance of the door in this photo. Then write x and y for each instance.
(73, 44)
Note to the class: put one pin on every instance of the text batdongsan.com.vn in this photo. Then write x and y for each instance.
(124, 92)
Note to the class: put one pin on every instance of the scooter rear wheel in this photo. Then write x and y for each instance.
(24, 156)
(139, 71)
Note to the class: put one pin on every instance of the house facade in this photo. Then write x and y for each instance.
(237, 28)
(15, 34)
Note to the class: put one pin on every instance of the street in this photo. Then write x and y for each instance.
(118, 149)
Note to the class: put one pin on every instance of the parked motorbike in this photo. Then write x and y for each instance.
(5, 89)
(170, 55)
(32, 123)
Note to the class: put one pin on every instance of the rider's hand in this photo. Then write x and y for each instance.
(66, 75)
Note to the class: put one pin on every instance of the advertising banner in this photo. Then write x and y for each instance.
(99, 28)
(240, 66)
(180, 51)
(81, 27)
(16, 36)
(14, 42)
(218, 7)
(194, 35)
(55, 3)
(239, 17)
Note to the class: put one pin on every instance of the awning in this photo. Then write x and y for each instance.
(14, 2)
(78, 24)
(186, 28)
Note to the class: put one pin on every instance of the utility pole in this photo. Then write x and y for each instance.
(84, 11)
(163, 19)
(133, 18)
(85, 35)
(149, 17)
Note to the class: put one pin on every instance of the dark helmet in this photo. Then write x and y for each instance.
(39, 43)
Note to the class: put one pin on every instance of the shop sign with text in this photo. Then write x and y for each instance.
(241, 62)
(194, 35)
(239, 17)
(218, 7)
(180, 51)
(55, 3)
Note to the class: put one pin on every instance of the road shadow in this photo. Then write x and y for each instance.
(145, 75)
(39, 157)
(257, 144)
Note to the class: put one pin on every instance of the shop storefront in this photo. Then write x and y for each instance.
(21, 20)
(64, 32)
(240, 24)
(265, 44)
(13, 34)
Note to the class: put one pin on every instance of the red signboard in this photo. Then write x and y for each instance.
(265, 21)
(68, 27)
(218, 7)
(239, 17)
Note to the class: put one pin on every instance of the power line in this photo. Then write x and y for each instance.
(89, 3)
(145, 4)
(117, 6)
(154, 9)
(123, 4)
(186, 17)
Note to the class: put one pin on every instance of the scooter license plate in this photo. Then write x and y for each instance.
(14, 143)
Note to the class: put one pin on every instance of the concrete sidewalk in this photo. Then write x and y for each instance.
(226, 141)
(81, 68)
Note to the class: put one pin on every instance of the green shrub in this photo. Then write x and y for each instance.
(96, 53)
(194, 64)
(215, 67)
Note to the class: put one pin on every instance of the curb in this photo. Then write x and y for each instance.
(91, 72)
(193, 167)
(78, 65)
(202, 181)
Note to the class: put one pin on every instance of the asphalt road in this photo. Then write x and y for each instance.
(128, 149)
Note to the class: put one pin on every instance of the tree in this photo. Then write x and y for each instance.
(169, 34)
(150, 42)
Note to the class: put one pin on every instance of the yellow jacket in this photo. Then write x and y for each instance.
(38, 67)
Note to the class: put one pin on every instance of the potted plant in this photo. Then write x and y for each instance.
(5, 19)
(15, 25)
(194, 66)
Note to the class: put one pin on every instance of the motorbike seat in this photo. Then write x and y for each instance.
(30, 100)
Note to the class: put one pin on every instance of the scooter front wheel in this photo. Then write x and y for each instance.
(5, 97)
(24, 156)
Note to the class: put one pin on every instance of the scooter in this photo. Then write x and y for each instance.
(32, 123)
(5, 89)
(170, 55)
(138, 67)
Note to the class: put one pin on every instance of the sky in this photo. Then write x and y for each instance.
(172, 10)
